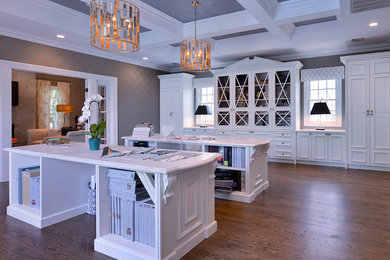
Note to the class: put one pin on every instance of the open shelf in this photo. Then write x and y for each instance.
(230, 168)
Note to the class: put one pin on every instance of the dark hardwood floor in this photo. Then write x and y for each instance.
(309, 212)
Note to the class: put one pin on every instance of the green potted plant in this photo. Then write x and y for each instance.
(95, 130)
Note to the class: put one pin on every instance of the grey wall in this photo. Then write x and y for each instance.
(138, 87)
(23, 115)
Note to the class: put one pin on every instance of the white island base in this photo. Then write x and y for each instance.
(182, 192)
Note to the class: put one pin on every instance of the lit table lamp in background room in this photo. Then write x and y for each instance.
(320, 108)
(203, 110)
(66, 109)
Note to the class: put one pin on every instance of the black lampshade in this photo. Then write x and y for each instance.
(320, 108)
(203, 110)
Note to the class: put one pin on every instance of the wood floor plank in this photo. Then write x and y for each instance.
(309, 212)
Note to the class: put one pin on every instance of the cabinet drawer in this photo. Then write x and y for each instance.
(282, 153)
(223, 132)
(283, 143)
(283, 135)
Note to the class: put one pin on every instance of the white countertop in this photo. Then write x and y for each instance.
(219, 141)
(341, 131)
(79, 152)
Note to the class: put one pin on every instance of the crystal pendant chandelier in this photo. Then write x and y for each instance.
(114, 25)
(195, 54)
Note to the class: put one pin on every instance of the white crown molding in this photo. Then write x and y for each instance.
(88, 51)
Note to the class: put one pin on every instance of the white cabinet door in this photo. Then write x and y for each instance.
(380, 112)
(358, 107)
(303, 146)
(319, 147)
(336, 147)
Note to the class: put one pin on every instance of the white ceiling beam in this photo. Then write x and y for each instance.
(314, 35)
(221, 25)
(158, 21)
(264, 11)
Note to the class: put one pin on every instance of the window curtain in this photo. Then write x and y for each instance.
(63, 98)
(322, 73)
(43, 103)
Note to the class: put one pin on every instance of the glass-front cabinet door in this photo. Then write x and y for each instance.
(223, 90)
(282, 89)
(223, 100)
(283, 103)
(261, 99)
(241, 100)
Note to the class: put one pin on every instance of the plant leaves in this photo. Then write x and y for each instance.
(101, 127)
(93, 128)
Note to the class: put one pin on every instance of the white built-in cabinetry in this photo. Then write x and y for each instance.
(259, 98)
(368, 109)
(176, 101)
(321, 146)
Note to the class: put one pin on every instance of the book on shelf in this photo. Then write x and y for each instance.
(35, 195)
(20, 181)
(121, 174)
(144, 222)
(132, 210)
(26, 185)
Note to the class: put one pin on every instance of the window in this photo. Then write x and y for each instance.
(328, 91)
(205, 96)
(53, 108)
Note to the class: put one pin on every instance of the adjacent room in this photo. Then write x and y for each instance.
(45, 105)
(195, 129)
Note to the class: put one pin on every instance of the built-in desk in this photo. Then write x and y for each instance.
(254, 171)
(182, 192)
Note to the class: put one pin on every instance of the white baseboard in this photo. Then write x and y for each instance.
(27, 215)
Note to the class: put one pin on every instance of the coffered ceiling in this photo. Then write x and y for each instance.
(276, 29)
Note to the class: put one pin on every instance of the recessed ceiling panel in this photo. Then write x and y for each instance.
(315, 21)
(176, 44)
(82, 7)
(232, 35)
(183, 10)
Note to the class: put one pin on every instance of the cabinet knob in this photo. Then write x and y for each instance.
(283, 143)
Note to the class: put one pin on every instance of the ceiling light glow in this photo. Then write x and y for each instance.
(373, 24)
(145, 58)
(60, 36)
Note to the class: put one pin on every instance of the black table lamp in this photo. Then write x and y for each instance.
(320, 108)
(203, 110)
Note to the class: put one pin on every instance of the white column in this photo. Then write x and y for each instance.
(5, 119)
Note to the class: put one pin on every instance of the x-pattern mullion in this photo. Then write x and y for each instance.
(223, 88)
(223, 118)
(261, 118)
(242, 118)
(241, 89)
(282, 85)
(262, 87)
(283, 118)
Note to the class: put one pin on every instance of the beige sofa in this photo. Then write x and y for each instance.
(35, 136)
(76, 136)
